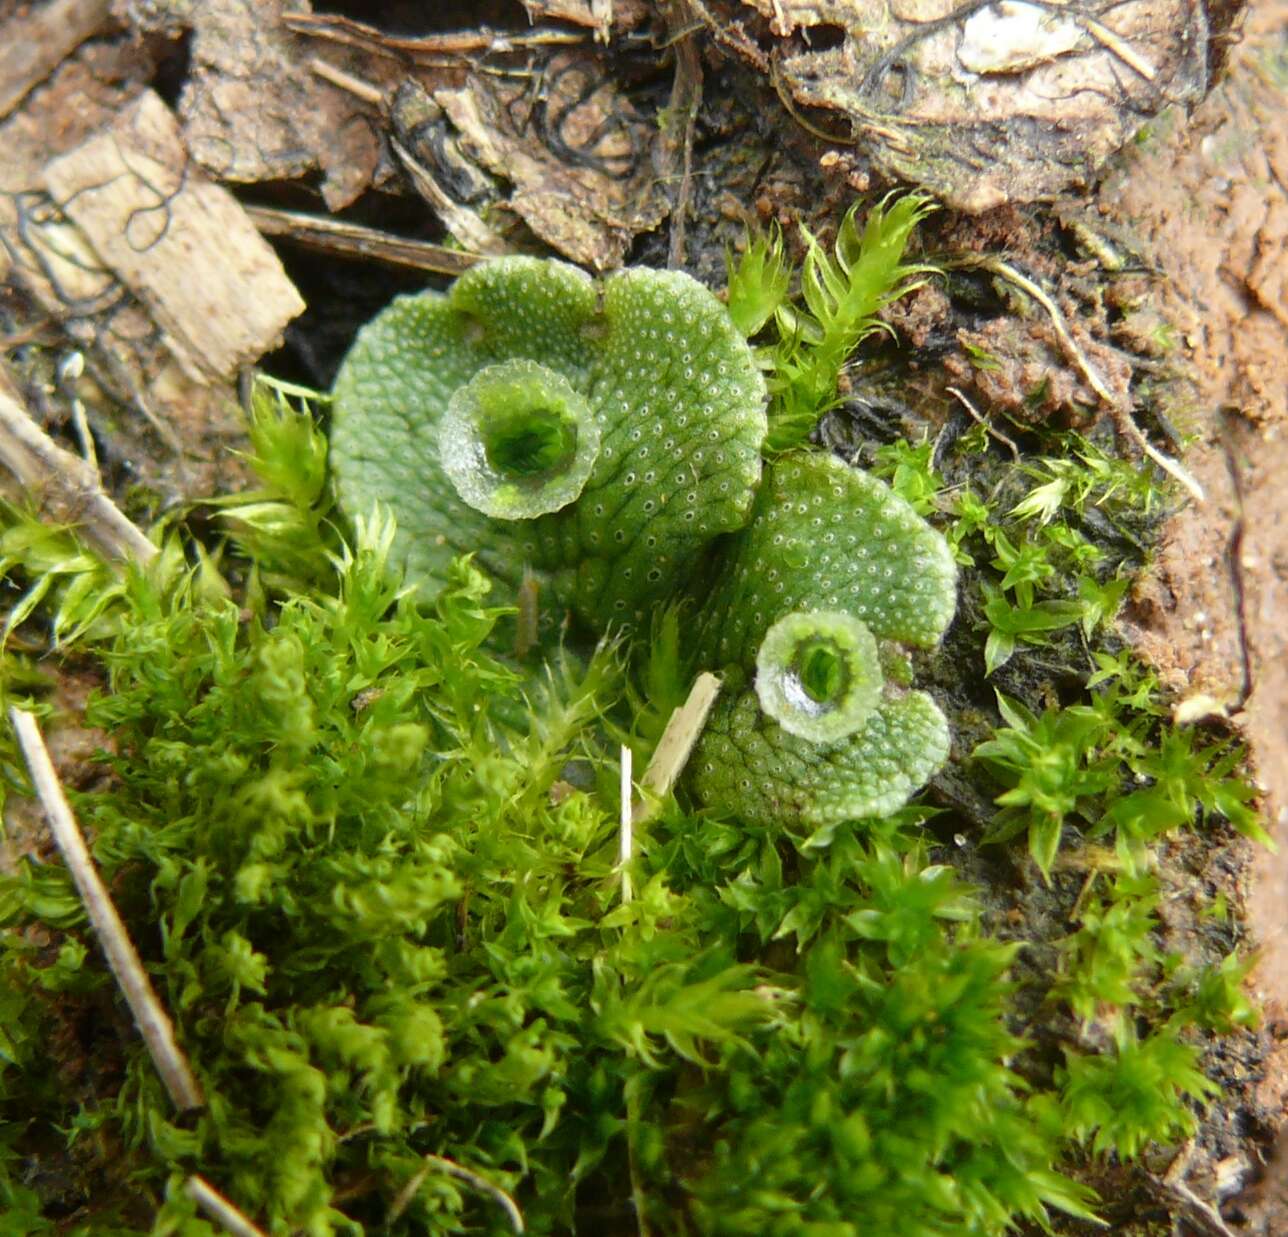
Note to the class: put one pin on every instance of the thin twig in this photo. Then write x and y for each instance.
(1120, 47)
(219, 1209)
(675, 746)
(988, 425)
(626, 843)
(471, 43)
(1122, 412)
(357, 86)
(355, 240)
(682, 113)
(461, 1173)
(67, 487)
(153, 1022)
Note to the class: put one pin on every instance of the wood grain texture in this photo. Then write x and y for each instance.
(181, 243)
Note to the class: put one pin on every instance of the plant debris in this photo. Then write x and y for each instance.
(987, 103)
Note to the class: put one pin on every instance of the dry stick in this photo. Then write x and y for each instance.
(355, 240)
(49, 473)
(470, 42)
(1120, 47)
(219, 1209)
(675, 746)
(1122, 413)
(357, 86)
(153, 1022)
(686, 98)
(626, 841)
(461, 1173)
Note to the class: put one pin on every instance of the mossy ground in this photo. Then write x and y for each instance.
(898, 398)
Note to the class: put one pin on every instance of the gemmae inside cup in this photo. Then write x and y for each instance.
(818, 674)
(517, 441)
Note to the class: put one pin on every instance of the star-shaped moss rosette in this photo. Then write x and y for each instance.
(599, 435)
(807, 619)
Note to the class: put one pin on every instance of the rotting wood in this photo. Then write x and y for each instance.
(34, 45)
(181, 243)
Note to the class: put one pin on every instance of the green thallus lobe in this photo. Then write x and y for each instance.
(667, 379)
(607, 438)
(822, 539)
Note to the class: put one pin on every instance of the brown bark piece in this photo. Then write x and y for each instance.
(578, 153)
(177, 442)
(53, 260)
(183, 245)
(253, 110)
(33, 45)
(990, 103)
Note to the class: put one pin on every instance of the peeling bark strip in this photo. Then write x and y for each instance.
(182, 244)
(34, 45)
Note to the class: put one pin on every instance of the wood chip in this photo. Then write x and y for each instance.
(683, 729)
(178, 443)
(182, 244)
(34, 45)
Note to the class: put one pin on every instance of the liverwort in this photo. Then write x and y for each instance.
(603, 442)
